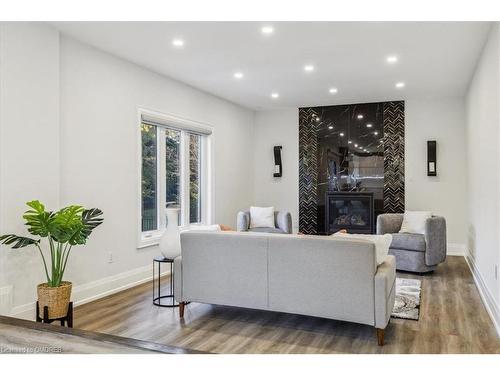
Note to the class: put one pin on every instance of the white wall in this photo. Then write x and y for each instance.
(99, 99)
(275, 128)
(443, 120)
(438, 118)
(94, 159)
(483, 142)
(29, 142)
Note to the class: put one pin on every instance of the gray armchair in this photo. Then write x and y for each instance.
(282, 223)
(415, 252)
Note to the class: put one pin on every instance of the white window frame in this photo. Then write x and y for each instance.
(152, 238)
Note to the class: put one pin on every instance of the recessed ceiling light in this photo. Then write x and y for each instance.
(267, 30)
(333, 90)
(341, 134)
(381, 141)
(178, 43)
(400, 85)
(330, 127)
(393, 59)
(349, 142)
(376, 133)
(238, 75)
(275, 95)
(309, 68)
(360, 147)
(355, 145)
(360, 117)
(369, 125)
(318, 119)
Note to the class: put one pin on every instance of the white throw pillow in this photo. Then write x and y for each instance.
(261, 217)
(414, 222)
(381, 242)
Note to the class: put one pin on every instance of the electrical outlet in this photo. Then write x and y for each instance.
(110, 257)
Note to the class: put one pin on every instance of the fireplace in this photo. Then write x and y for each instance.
(349, 210)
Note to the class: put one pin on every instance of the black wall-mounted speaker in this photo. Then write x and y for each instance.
(431, 158)
(278, 168)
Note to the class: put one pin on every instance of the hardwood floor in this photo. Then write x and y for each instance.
(452, 320)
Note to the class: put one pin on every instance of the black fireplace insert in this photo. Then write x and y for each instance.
(353, 211)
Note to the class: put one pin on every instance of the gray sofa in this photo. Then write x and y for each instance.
(415, 252)
(308, 275)
(282, 223)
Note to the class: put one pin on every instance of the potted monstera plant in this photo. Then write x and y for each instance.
(56, 232)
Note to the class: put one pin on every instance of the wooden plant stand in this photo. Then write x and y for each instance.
(68, 319)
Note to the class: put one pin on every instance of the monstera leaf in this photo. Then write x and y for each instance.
(17, 241)
(67, 221)
(90, 220)
(39, 221)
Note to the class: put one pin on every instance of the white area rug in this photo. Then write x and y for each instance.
(407, 304)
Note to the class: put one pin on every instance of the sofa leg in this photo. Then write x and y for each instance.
(181, 309)
(380, 336)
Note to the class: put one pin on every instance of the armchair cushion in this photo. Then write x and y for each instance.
(283, 220)
(389, 223)
(266, 230)
(243, 221)
(435, 237)
(408, 241)
(282, 223)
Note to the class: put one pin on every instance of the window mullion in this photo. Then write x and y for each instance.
(162, 179)
(184, 156)
(203, 182)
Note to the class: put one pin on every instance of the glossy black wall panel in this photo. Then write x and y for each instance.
(343, 148)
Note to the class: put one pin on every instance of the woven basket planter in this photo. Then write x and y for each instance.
(57, 299)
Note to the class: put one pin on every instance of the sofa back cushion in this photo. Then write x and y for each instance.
(226, 268)
(322, 276)
(382, 242)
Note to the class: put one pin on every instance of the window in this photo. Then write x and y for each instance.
(194, 178)
(149, 180)
(175, 165)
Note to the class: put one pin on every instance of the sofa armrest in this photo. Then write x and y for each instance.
(178, 279)
(385, 280)
(435, 240)
(389, 223)
(243, 221)
(284, 221)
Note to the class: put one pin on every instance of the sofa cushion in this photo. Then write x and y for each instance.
(381, 242)
(408, 241)
(266, 230)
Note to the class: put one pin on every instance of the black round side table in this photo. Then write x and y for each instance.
(157, 296)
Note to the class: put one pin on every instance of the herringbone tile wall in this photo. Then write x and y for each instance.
(394, 157)
(308, 171)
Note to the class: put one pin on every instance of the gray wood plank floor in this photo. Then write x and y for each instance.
(452, 320)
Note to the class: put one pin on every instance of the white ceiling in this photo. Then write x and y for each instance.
(435, 58)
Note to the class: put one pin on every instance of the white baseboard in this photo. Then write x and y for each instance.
(488, 300)
(455, 249)
(5, 299)
(94, 290)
